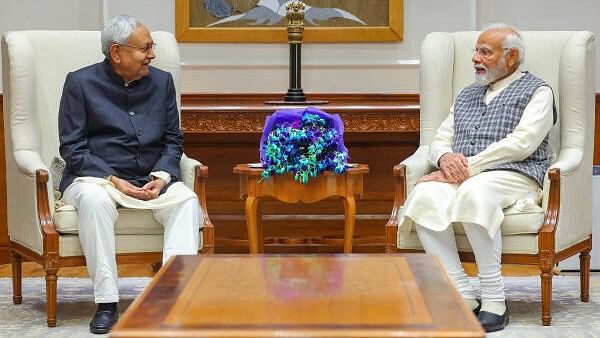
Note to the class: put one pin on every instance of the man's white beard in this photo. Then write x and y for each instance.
(491, 75)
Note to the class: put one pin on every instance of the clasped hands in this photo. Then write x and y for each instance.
(149, 191)
(453, 169)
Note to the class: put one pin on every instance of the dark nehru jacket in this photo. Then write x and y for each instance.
(108, 127)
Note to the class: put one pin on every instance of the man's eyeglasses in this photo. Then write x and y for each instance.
(485, 52)
(146, 49)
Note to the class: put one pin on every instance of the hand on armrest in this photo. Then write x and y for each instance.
(417, 165)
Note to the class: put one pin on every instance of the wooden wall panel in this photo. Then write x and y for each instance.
(224, 130)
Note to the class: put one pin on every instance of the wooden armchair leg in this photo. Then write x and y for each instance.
(391, 237)
(208, 239)
(546, 278)
(584, 275)
(17, 277)
(51, 296)
(156, 266)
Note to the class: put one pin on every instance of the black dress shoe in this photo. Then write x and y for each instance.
(105, 317)
(492, 322)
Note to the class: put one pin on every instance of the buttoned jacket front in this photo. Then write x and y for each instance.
(108, 127)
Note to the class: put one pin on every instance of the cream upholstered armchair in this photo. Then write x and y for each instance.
(562, 226)
(35, 64)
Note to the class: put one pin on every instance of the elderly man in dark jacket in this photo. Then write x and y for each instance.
(121, 141)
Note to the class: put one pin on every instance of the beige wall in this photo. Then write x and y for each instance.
(367, 67)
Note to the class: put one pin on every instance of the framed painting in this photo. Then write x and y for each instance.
(265, 21)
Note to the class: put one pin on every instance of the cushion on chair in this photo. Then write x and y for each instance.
(70, 245)
(515, 244)
(523, 217)
(516, 223)
(57, 167)
(129, 222)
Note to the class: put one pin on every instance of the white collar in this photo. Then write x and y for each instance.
(501, 84)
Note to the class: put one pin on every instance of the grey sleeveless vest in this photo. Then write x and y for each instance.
(477, 125)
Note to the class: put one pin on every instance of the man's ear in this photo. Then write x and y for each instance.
(512, 58)
(115, 53)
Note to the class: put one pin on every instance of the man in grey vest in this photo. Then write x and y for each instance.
(491, 151)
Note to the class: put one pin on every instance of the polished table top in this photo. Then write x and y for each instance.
(299, 296)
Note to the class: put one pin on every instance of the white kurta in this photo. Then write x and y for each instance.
(177, 193)
(482, 198)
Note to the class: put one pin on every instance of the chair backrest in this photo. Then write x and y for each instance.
(565, 60)
(34, 68)
(35, 64)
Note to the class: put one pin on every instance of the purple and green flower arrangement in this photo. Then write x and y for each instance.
(303, 142)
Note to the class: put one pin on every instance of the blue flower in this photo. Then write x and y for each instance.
(304, 144)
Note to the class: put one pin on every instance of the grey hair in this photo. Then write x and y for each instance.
(512, 41)
(117, 30)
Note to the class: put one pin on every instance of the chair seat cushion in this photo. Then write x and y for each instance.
(516, 222)
(129, 222)
(520, 229)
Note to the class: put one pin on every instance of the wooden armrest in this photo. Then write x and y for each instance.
(547, 236)
(201, 170)
(391, 228)
(200, 175)
(399, 171)
(49, 233)
(553, 207)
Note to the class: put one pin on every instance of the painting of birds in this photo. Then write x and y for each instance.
(272, 12)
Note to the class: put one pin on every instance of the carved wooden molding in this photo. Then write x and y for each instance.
(246, 113)
(381, 122)
(252, 122)
(214, 121)
(546, 261)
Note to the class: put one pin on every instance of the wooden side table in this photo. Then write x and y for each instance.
(284, 188)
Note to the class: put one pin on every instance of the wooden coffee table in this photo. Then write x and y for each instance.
(405, 295)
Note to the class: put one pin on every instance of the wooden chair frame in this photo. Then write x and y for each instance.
(546, 257)
(52, 261)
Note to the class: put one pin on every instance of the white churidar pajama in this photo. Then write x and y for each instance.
(479, 201)
(443, 245)
(97, 212)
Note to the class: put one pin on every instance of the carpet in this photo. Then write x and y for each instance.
(74, 309)
(570, 317)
